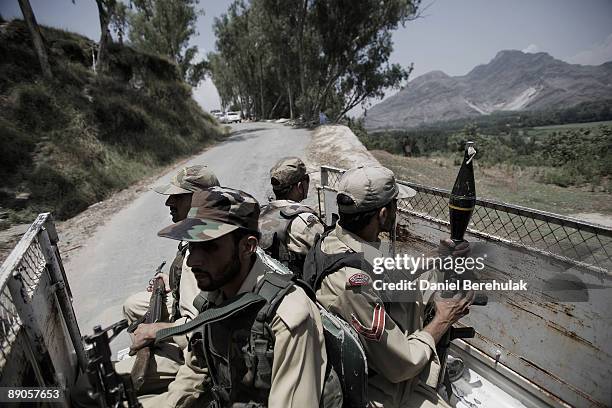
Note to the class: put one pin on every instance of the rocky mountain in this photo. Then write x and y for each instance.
(511, 81)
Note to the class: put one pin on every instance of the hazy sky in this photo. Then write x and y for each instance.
(452, 35)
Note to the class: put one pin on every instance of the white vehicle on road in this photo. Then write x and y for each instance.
(218, 114)
(233, 117)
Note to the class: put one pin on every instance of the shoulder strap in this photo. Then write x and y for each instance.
(200, 301)
(292, 211)
(224, 311)
(272, 287)
(174, 276)
(318, 264)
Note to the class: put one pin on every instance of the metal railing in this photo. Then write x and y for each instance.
(35, 306)
(561, 237)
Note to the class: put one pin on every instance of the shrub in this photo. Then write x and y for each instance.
(16, 147)
(35, 108)
(119, 118)
(73, 140)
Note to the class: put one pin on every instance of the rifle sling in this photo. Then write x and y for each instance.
(211, 315)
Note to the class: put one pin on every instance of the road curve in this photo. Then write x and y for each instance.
(122, 254)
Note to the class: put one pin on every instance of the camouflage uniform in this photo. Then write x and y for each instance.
(298, 357)
(169, 355)
(288, 228)
(402, 358)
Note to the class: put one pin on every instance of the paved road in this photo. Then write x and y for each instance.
(119, 259)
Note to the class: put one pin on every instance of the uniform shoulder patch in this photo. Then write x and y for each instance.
(376, 329)
(357, 279)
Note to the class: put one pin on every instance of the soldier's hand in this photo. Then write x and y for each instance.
(449, 310)
(448, 247)
(163, 277)
(144, 335)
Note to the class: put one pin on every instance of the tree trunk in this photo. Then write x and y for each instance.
(39, 45)
(301, 24)
(275, 105)
(290, 101)
(287, 80)
(104, 13)
(261, 89)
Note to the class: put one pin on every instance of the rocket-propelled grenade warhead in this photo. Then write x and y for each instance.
(463, 195)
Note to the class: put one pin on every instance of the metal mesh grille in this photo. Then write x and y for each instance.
(333, 175)
(10, 324)
(560, 236)
(29, 267)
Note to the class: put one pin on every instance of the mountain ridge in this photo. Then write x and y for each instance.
(511, 81)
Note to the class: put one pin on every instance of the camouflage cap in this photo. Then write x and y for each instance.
(189, 180)
(370, 187)
(215, 212)
(287, 172)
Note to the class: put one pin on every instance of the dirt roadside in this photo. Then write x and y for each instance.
(337, 146)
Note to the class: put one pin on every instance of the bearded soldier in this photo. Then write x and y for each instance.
(168, 355)
(179, 281)
(401, 353)
(180, 305)
(259, 336)
(288, 228)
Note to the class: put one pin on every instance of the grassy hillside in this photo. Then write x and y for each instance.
(578, 155)
(69, 142)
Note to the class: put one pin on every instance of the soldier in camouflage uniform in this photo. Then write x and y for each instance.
(169, 355)
(401, 353)
(289, 371)
(288, 228)
(179, 281)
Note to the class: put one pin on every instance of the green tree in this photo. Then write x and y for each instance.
(300, 57)
(234, 70)
(355, 46)
(165, 28)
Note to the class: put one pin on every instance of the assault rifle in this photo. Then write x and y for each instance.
(153, 315)
(109, 388)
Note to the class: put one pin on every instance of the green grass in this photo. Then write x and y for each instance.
(542, 132)
(72, 141)
(508, 184)
(574, 125)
